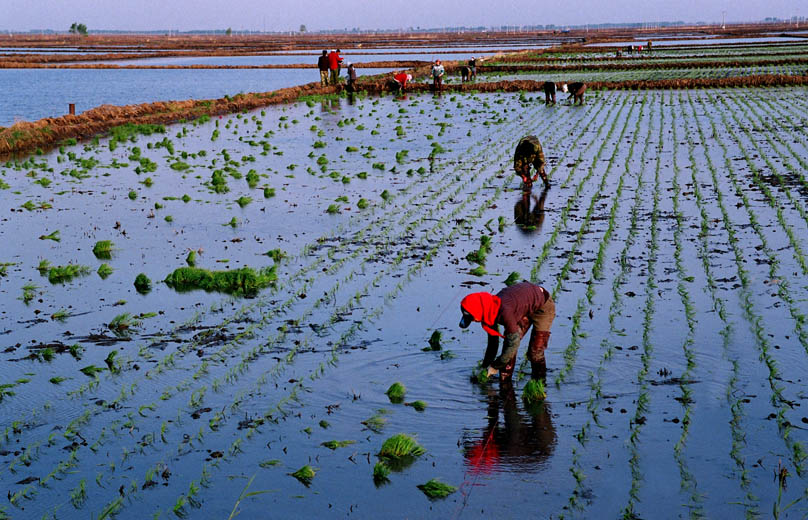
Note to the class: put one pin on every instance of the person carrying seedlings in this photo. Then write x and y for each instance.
(399, 81)
(549, 92)
(576, 91)
(351, 78)
(322, 64)
(473, 67)
(516, 308)
(334, 60)
(529, 152)
(437, 75)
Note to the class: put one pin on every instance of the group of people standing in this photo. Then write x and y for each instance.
(330, 64)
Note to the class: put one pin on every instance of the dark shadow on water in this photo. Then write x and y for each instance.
(530, 220)
(514, 440)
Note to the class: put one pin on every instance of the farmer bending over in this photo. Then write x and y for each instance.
(549, 92)
(516, 308)
(399, 81)
(576, 91)
(528, 152)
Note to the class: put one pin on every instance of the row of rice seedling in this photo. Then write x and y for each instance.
(643, 396)
(778, 400)
(734, 394)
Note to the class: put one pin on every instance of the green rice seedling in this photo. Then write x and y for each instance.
(53, 236)
(79, 494)
(478, 271)
(169, 219)
(110, 361)
(386, 195)
(65, 273)
(186, 198)
(142, 283)
(57, 379)
(325, 424)
(60, 315)
(218, 183)
(434, 340)
(436, 489)
(243, 201)
(148, 182)
(534, 392)
(305, 475)
(233, 223)
(191, 258)
(276, 255)
(396, 392)
(4, 390)
(75, 350)
(333, 445)
(381, 473)
(180, 166)
(479, 374)
(362, 203)
(332, 209)
(244, 281)
(512, 279)
(269, 192)
(419, 406)
(400, 450)
(91, 370)
(252, 179)
(269, 463)
(132, 195)
(362, 175)
(447, 354)
(103, 249)
(376, 422)
(122, 324)
(104, 270)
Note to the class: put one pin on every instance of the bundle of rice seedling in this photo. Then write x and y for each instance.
(436, 489)
(103, 249)
(534, 392)
(399, 448)
(244, 281)
(396, 392)
(381, 472)
(304, 475)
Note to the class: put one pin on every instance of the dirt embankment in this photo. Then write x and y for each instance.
(641, 65)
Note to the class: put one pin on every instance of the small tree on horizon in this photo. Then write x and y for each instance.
(229, 31)
(78, 28)
(302, 28)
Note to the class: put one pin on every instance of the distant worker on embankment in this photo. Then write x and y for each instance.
(322, 64)
(437, 75)
(516, 308)
(576, 91)
(351, 78)
(529, 152)
(334, 60)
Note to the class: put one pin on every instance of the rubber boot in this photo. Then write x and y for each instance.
(535, 353)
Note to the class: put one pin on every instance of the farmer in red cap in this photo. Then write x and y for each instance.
(516, 308)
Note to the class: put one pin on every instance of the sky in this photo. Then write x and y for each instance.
(286, 15)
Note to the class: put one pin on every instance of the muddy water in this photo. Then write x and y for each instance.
(661, 185)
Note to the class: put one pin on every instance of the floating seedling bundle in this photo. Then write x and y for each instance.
(244, 281)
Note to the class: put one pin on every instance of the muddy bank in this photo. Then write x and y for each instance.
(28, 136)
(640, 65)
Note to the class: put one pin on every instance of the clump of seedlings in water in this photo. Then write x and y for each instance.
(512, 279)
(243, 201)
(103, 249)
(400, 450)
(436, 489)
(122, 324)
(305, 475)
(53, 236)
(333, 445)
(65, 273)
(377, 421)
(276, 255)
(244, 281)
(396, 392)
(142, 283)
(434, 340)
(534, 392)
(191, 258)
(381, 473)
(419, 406)
(29, 292)
(104, 270)
(479, 374)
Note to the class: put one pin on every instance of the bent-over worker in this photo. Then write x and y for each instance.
(529, 152)
(516, 308)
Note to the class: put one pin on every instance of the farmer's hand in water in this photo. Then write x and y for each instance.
(492, 371)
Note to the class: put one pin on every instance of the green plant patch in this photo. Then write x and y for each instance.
(245, 281)
(434, 340)
(333, 445)
(534, 392)
(65, 273)
(305, 475)
(396, 392)
(513, 279)
(122, 324)
(381, 473)
(400, 451)
(435, 489)
(53, 236)
(142, 283)
(103, 249)
(419, 406)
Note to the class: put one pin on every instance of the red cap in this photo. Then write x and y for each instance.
(484, 308)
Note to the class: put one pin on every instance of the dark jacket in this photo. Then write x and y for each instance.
(322, 62)
(528, 151)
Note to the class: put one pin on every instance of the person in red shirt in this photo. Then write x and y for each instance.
(399, 81)
(516, 308)
(334, 60)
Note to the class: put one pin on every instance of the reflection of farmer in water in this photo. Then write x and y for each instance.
(521, 442)
(516, 308)
(529, 152)
(527, 219)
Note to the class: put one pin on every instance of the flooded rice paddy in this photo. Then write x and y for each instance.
(673, 240)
